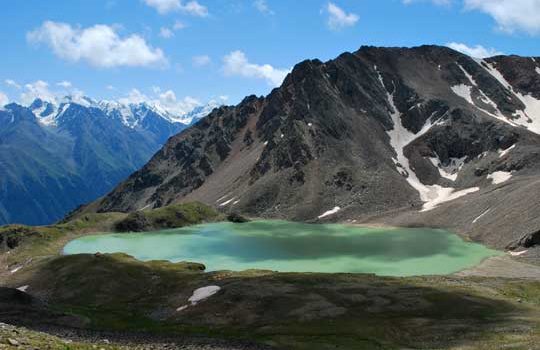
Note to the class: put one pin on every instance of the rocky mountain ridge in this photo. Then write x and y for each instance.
(377, 131)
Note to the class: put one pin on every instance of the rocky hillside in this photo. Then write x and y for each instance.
(408, 136)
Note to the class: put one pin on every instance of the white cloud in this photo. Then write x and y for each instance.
(165, 100)
(195, 9)
(166, 33)
(436, 2)
(338, 18)
(236, 63)
(169, 102)
(100, 45)
(135, 97)
(43, 90)
(38, 89)
(179, 25)
(110, 87)
(262, 7)
(201, 61)
(4, 100)
(510, 15)
(12, 83)
(477, 51)
(165, 6)
(65, 84)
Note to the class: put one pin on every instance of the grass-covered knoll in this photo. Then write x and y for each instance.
(32, 243)
(172, 216)
(291, 311)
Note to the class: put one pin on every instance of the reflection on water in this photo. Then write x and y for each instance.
(296, 247)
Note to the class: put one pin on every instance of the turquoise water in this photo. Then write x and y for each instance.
(296, 247)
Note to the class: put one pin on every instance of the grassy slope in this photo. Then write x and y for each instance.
(297, 311)
(293, 311)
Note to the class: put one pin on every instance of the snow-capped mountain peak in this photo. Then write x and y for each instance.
(44, 111)
(130, 114)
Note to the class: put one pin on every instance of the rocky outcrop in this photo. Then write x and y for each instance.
(173, 216)
(12, 236)
(526, 241)
(237, 218)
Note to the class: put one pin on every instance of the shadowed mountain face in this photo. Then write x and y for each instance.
(370, 132)
(57, 156)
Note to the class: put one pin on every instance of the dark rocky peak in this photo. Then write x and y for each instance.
(369, 131)
(302, 70)
(17, 113)
(523, 73)
(37, 103)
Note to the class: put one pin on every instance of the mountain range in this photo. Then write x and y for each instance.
(57, 155)
(402, 136)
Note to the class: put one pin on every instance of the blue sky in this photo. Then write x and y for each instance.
(187, 52)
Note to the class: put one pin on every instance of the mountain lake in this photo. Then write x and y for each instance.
(297, 247)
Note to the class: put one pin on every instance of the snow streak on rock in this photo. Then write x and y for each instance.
(481, 216)
(400, 137)
(483, 97)
(530, 116)
(329, 212)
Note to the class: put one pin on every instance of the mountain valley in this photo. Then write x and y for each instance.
(413, 143)
(58, 155)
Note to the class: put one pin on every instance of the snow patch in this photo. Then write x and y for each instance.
(227, 202)
(451, 170)
(200, 295)
(537, 70)
(463, 91)
(222, 198)
(23, 288)
(482, 155)
(329, 212)
(182, 308)
(518, 253)
(203, 293)
(502, 153)
(145, 207)
(16, 269)
(437, 195)
(499, 177)
(481, 215)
